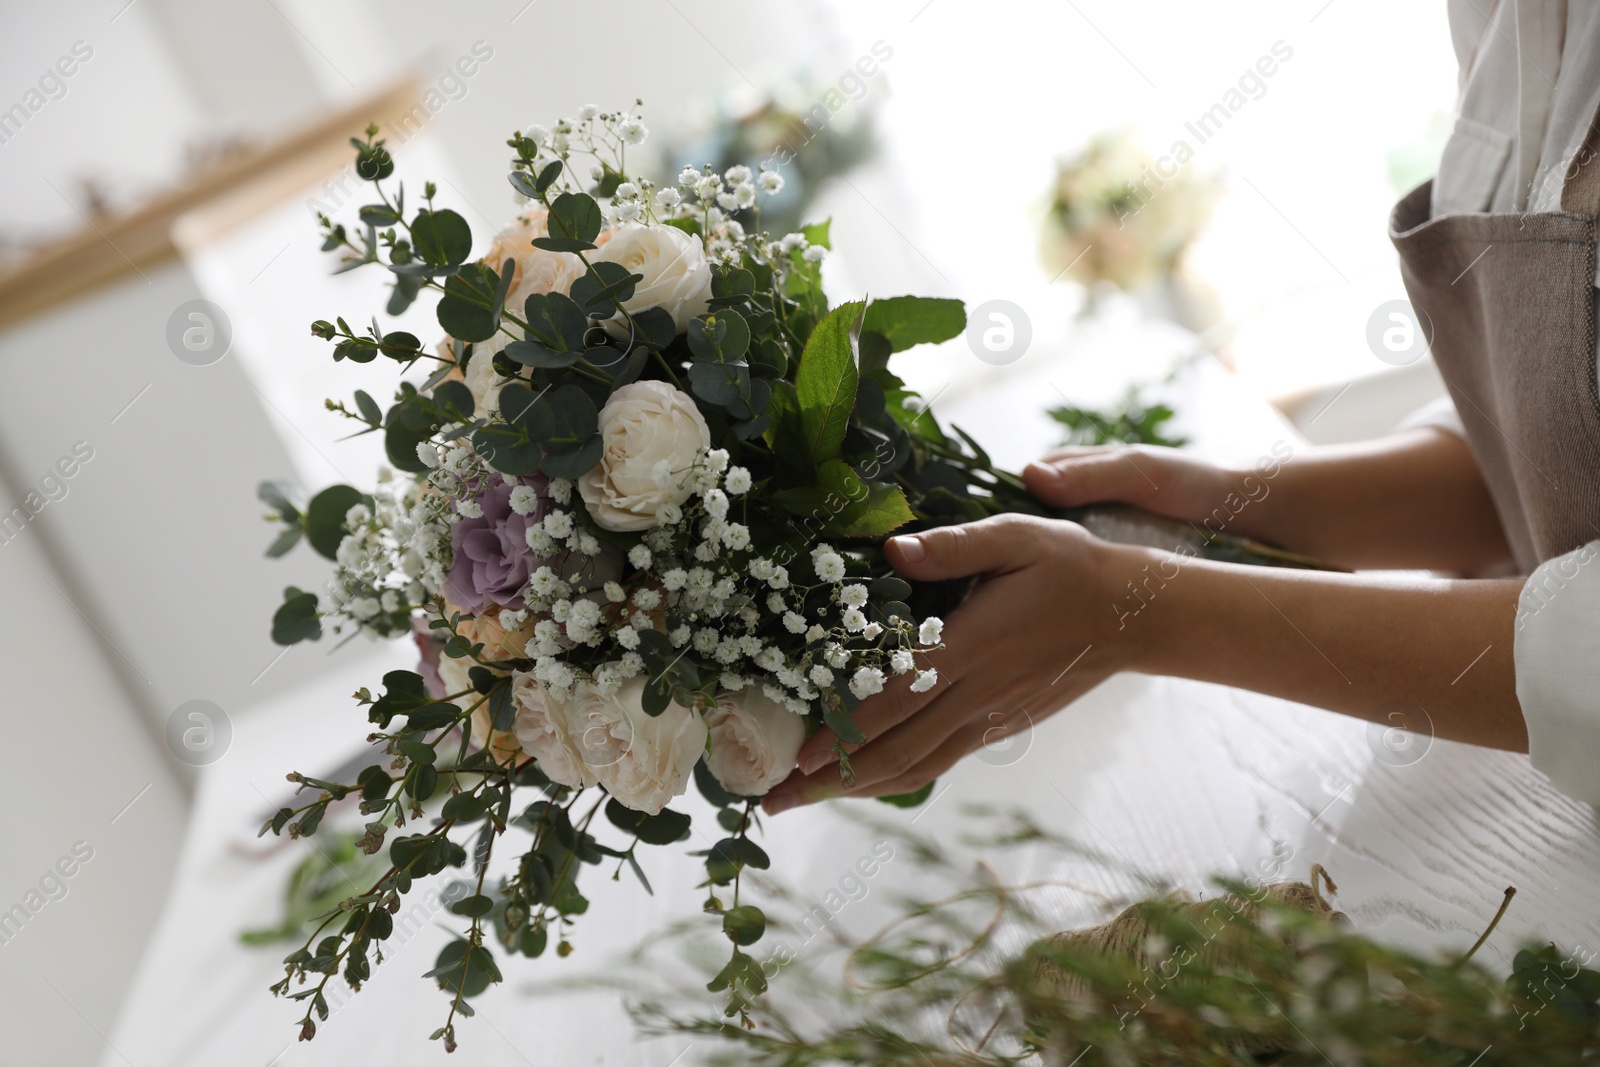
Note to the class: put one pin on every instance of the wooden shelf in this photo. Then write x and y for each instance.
(235, 189)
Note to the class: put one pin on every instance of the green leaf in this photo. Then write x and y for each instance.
(563, 419)
(889, 588)
(912, 799)
(744, 925)
(884, 511)
(723, 336)
(284, 542)
(843, 726)
(280, 497)
(368, 407)
(325, 518)
(455, 399)
(296, 618)
(574, 222)
(466, 311)
(661, 829)
(825, 384)
(817, 233)
(603, 287)
(404, 692)
(556, 321)
(474, 906)
(574, 463)
(442, 238)
(915, 320)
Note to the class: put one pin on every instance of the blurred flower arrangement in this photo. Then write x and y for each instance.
(791, 126)
(1117, 217)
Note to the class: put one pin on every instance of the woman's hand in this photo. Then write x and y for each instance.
(1035, 634)
(1163, 480)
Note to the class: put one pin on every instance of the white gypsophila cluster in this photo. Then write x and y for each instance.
(393, 556)
(699, 583)
(701, 194)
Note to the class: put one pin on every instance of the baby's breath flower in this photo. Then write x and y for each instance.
(821, 676)
(615, 593)
(647, 599)
(865, 682)
(925, 680)
(794, 623)
(830, 566)
(853, 596)
(560, 490)
(854, 621)
(771, 182)
(902, 660)
(931, 630)
(427, 454)
(737, 481)
(587, 112)
(814, 254)
(558, 524)
(524, 501)
(639, 556)
(632, 131)
(872, 631)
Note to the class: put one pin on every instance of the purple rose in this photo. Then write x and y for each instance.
(492, 558)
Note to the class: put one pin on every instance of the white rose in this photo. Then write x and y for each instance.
(754, 742)
(544, 728)
(677, 277)
(643, 761)
(534, 271)
(642, 425)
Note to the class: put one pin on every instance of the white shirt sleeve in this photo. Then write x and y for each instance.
(1557, 656)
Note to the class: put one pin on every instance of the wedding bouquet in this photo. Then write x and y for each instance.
(633, 525)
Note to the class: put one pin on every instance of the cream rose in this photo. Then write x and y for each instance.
(754, 742)
(534, 271)
(643, 425)
(644, 761)
(544, 728)
(677, 277)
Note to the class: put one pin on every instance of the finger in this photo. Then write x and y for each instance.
(1093, 476)
(966, 633)
(989, 546)
(959, 745)
(884, 757)
(995, 732)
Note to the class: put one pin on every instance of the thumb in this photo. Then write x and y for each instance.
(1001, 543)
(1102, 475)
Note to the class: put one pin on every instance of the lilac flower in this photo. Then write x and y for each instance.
(492, 558)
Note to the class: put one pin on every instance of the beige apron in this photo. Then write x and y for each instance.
(1511, 301)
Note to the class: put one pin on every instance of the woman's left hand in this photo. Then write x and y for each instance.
(1040, 629)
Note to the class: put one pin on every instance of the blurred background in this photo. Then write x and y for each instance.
(1173, 204)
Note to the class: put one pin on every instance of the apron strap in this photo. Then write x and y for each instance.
(1580, 195)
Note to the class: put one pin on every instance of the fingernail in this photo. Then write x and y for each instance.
(817, 762)
(778, 803)
(912, 550)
